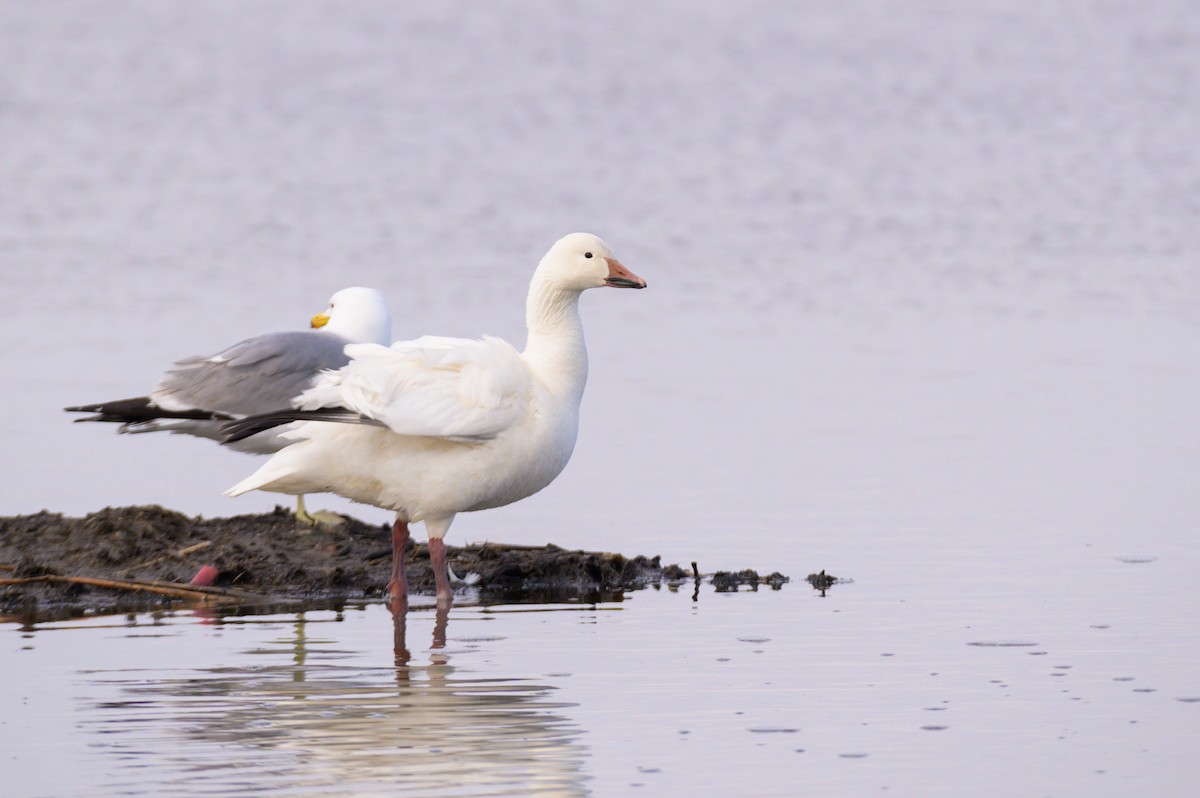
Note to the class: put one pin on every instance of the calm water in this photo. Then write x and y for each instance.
(917, 689)
(924, 311)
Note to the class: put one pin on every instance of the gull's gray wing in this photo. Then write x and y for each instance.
(258, 375)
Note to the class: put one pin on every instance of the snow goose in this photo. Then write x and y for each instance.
(438, 426)
(201, 393)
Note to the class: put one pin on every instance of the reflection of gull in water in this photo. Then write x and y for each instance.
(315, 726)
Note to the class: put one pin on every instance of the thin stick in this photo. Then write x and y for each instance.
(229, 592)
(185, 551)
(502, 546)
(164, 588)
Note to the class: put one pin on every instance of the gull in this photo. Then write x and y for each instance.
(200, 393)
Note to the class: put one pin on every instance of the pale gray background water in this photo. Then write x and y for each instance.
(924, 309)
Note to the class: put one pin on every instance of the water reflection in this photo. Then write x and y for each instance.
(312, 724)
(400, 633)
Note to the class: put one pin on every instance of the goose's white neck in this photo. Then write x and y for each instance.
(555, 347)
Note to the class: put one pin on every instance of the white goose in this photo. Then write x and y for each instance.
(200, 394)
(439, 426)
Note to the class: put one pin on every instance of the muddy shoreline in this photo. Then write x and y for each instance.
(269, 558)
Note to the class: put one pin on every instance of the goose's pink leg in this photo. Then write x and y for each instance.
(398, 587)
(441, 574)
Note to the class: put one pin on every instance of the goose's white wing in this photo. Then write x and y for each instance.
(442, 387)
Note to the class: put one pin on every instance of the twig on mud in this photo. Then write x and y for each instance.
(228, 592)
(382, 554)
(510, 546)
(164, 588)
(185, 551)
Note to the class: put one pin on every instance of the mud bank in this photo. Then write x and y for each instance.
(270, 557)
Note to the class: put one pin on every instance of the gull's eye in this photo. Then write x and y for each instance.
(587, 254)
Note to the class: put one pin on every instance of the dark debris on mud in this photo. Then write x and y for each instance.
(731, 581)
(271, 555)
(822, 581)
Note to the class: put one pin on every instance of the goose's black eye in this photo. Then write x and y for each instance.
(587, 254)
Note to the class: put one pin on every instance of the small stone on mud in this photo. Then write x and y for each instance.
(207, 575)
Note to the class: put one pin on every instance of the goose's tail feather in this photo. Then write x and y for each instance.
(235, 431)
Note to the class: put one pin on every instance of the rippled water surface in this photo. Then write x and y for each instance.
(924, 311)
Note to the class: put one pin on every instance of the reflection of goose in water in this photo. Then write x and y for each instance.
(317, 726)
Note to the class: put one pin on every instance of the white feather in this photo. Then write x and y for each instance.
(437, 387)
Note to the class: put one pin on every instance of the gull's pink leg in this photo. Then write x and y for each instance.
(441, 575)
(398, 587)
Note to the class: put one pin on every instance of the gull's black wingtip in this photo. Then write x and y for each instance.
(139, 409)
